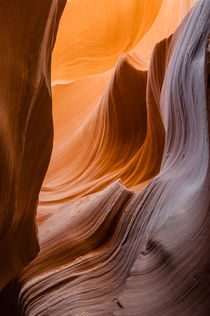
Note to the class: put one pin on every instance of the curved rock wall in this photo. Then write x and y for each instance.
(123, 215)
(27, 37)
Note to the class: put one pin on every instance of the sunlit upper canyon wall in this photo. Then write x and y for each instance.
(104, 150)
(101, 60)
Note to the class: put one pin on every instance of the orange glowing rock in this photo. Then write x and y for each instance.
(123, 214)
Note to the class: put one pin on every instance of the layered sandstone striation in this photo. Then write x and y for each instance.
(123, 215)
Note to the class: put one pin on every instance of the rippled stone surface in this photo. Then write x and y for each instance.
(123, 214)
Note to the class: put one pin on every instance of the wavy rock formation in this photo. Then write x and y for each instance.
(106, 28)
(139, 245)
(69, 177)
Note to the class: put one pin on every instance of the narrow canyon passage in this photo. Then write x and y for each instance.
(105, 174)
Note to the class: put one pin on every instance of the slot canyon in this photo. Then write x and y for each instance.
(105, 158)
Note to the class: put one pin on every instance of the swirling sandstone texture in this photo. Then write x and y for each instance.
(123, 215)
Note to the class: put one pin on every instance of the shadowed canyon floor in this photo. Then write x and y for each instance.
(105, 165)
